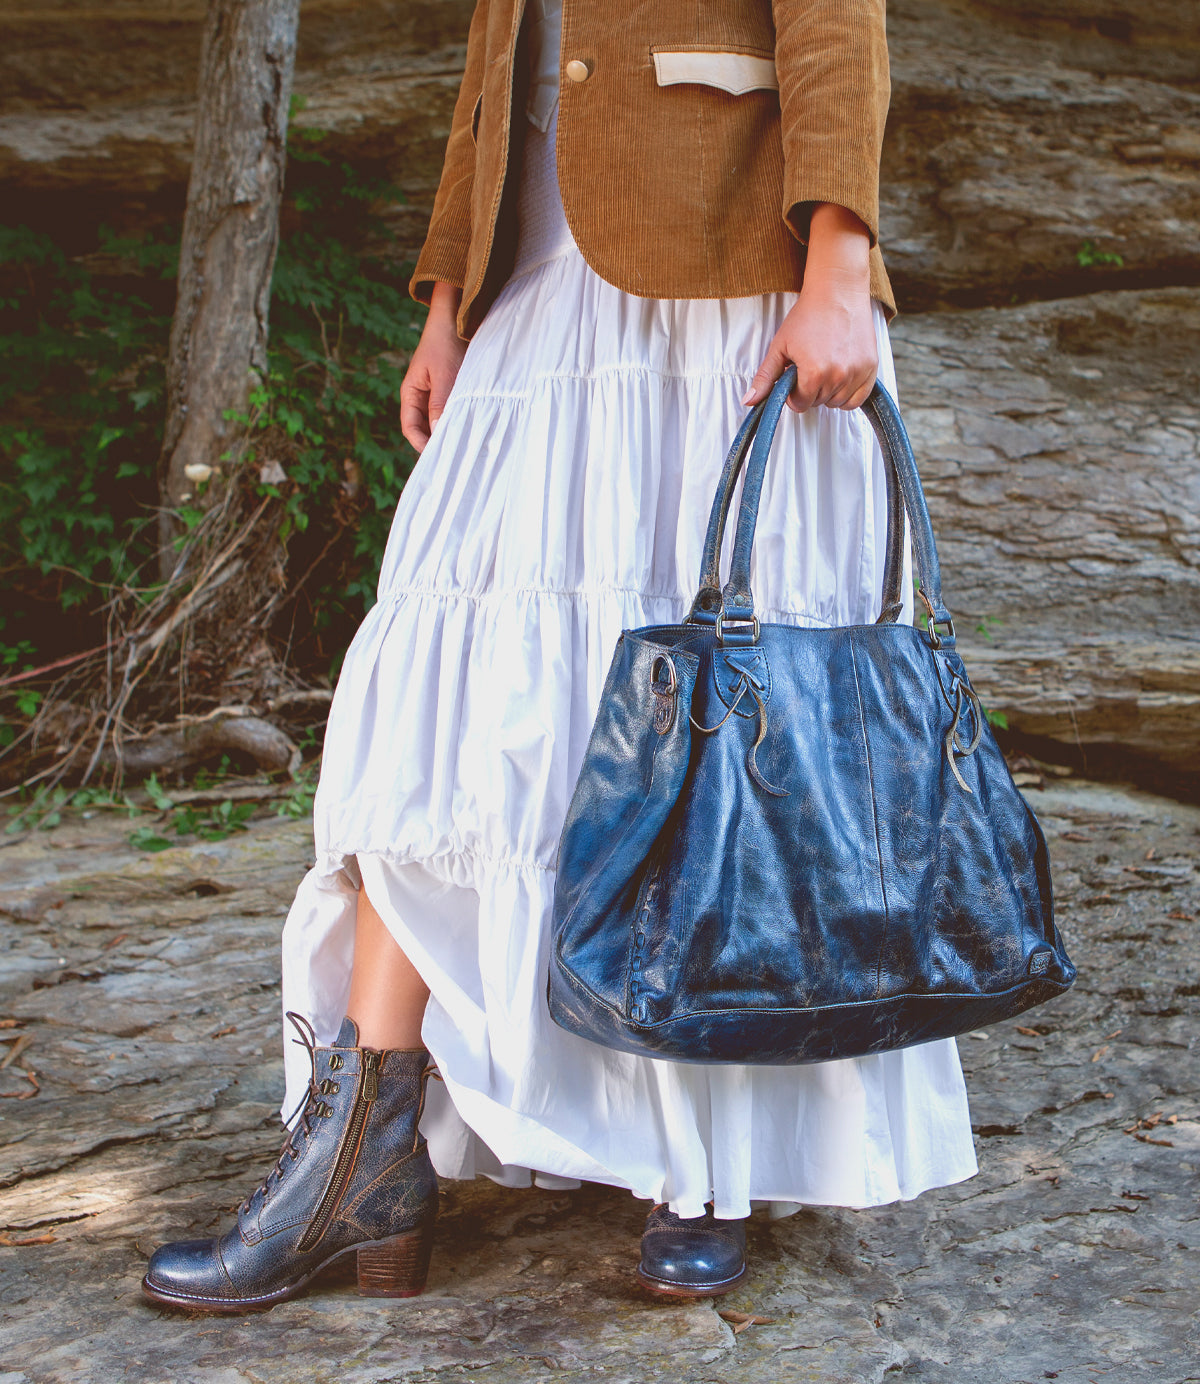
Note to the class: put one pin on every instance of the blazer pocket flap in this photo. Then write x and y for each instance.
(736, 73)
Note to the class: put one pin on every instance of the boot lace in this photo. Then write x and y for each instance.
(305, 1110)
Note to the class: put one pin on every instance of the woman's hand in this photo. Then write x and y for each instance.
(829, 335)
(433, 369)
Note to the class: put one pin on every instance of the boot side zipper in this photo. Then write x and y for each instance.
(347, 1155)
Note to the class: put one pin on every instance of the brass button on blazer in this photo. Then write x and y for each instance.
(694, 138)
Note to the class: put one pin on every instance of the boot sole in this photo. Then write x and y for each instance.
(395, 1267)
(662, 1287)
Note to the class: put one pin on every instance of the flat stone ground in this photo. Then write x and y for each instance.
(140, 994)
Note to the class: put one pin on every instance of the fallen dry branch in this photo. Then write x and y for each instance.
(176, 748)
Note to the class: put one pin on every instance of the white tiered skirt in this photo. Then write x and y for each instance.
(563, 498)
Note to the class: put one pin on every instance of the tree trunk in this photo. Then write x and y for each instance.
(218, 345)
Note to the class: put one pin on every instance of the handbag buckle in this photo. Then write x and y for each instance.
(739, 620)
(932, 622)
(935, 638)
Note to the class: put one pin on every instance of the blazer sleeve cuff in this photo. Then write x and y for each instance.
(443, 260)
(802, 195)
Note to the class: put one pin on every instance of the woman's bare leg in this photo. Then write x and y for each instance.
(387, 996)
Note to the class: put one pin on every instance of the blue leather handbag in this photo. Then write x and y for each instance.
(790, 845)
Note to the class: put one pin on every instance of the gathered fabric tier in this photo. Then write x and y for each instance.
(563, 498)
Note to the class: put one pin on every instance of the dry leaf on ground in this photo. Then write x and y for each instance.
(741, 1321)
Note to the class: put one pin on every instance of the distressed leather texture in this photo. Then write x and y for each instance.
(838, 863)
(391, 1189)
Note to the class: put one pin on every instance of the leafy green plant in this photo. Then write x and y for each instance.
(43, 808)
(214, 823)
(1088, 256)
(12, 654)
(147, 839)
(80, 410)
(221, 820)
(156, 795)
(205, 778)
(298, 801)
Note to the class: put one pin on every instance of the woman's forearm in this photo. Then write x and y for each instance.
(444, 301)
(839, 244)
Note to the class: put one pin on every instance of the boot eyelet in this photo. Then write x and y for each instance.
(335, 1063)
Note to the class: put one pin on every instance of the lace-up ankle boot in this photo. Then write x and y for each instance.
(698, 1257)
(354, 1176)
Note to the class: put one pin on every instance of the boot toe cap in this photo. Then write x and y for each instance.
(692, 1260)
(187, 1270)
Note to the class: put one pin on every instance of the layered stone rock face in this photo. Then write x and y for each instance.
(1060, 448)
(1042, 224)
(1014, 140)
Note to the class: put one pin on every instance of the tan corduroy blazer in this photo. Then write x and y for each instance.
(694, 137)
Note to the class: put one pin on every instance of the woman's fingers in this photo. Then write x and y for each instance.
(828, 383)
(414, 412)
(426, 389)
(768, 372)
(829, 335)
(853, 389)
(423, 398)
(433, 369)
(861, 394)
(439, 394)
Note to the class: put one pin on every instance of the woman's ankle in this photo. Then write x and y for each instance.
(387, 994)
(389, 1031)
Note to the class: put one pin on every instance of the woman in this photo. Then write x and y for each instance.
(645, 212)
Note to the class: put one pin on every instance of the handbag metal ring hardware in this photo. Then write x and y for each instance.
(665, 694)
(664, 660)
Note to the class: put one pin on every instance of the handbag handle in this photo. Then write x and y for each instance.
(707, 603)
(737, 600)
(708, 596)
